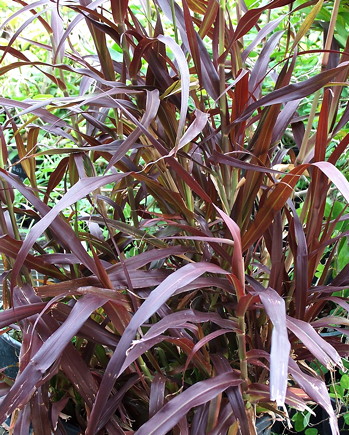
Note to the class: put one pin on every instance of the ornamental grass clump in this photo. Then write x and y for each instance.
(186, 205)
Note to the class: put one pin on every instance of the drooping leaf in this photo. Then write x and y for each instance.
(79, 190)
(236, 163)
(251, 17)
(156, 299)
(62, 230)
(181, 320)
(323, 351)
(261, 34)
(29, 378)
(194, 129)
(202, 392)
(280, 194)
(151, 109)
(14, 315)
(294, 91)
(11, 248)
(274, 305)
(317, 390)
(210, 77)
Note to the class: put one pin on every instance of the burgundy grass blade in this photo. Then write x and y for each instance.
(301, 265)
(82, 188)
(191, 181)
(119, 9)
(323, 351)
(327, 321)
(72, 363)
(62, 230)
(28, 7)
(192, 40)
(335, 176)
(157, 394)
(343, 302)
(225, 420)
(181, 320)
(11, 248)
(117, 400)
(236, 163)
(282, 191)
(317, 390)
(26, 381)
(152, 106)
(276, 254)
(198, 394)
(144, 258)
(261, 65)
(40, 413)
(14, 315)
(268, 28)
(184, 343)
(210, 77)
(185, 82)
(57, 33)
(252, 16)
(274, 306)
(91, 330)
(200, 419)
(297, 401)
(194, 128)
(43, 114)
(202, 343)
(238, 267)
(234, 394)
(284, 120)
(294, 91)
(155, 300)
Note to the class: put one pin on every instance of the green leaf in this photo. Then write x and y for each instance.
(311, 431)
(346, 418)
(42, 97)
(343, 255)
(340, 391)
(344, 382)
(115, 54)
(308, 21)
(306, 419)
(298, 419)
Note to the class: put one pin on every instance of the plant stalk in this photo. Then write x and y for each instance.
(242, 349)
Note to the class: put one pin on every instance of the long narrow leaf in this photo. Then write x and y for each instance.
(274, 305)
(26, 382)
(293, 92)
(79, 190)
(185, 82)
(323, 351)
(317, 390)
(156, 299)
(202, 392)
